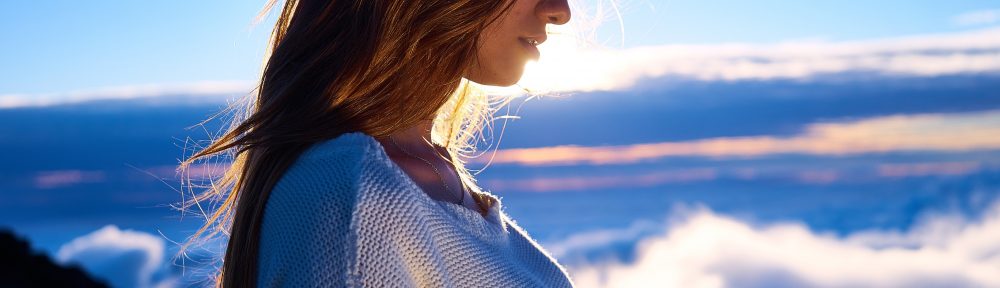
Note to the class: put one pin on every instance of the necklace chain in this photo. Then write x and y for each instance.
(444, 184)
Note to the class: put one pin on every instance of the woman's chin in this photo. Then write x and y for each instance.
(499, 80)
(507, 83)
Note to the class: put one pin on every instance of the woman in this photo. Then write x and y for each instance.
(336, 177)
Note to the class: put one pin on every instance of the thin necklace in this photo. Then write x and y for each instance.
(461, 201)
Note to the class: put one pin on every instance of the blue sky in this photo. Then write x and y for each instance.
(717, 21)
(59, 46)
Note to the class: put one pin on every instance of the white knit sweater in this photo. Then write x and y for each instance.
(345, 215)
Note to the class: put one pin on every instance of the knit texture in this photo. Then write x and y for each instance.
(346, 215)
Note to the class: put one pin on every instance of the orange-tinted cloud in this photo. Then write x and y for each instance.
(63, 178)
(929, 132)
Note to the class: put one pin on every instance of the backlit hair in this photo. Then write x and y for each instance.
(334, 67)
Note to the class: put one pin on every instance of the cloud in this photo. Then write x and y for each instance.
(63, 178)
(204, 88)
(561, 68)
(576, 247)
(647, 179)
(807, 173)
(981, 17)
(200, 171)
(703, 249)
(924, 169)
(565, 66)
(818, 176)
(124, 258)
(925, 132)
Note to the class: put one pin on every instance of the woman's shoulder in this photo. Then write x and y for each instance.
(329, 169)
(307, 218)
(338, 159)
(348, 148)
(333, 176)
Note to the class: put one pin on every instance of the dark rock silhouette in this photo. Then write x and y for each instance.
(21, 267)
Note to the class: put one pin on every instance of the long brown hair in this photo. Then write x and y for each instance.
(333, 67)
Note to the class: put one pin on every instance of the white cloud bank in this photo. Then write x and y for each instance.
(565, 68)
(212, 89)
(703, 249)
(123, 258)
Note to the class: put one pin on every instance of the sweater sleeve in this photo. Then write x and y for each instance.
(306, 237)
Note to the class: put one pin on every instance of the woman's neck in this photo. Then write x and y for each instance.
(417, 136)
(415, 141)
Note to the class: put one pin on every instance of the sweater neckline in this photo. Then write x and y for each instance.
(491, 221)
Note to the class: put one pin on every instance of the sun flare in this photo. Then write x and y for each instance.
(558, 68)
(559, 64)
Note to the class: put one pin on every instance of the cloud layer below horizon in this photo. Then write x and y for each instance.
(703, 249)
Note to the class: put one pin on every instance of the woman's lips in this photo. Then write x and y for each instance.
(530, 45)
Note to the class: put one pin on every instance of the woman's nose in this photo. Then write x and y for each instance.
(553, 11)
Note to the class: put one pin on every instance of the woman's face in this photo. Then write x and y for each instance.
(508, 43)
